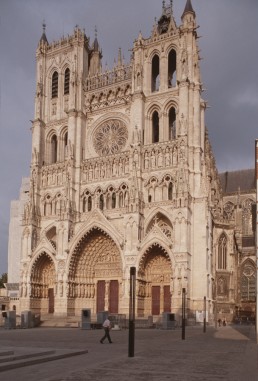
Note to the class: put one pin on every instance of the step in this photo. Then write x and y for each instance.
(20, 359)
(14, 357)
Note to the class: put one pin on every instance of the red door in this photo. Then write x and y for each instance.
(113, 297)
(155, 293)
(51, 301)
(101, 296)
(167, 299)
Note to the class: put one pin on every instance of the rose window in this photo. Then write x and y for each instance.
(110, 137)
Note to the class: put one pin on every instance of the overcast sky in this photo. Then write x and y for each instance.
(229, 51)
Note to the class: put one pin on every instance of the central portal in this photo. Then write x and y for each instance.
(95, 273)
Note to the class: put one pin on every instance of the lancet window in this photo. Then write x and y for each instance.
(155, 80)
(123, 196)
(248, 281)
(155, 127)
(86, 202)
(55, 85)
(247, 217)
(172, 123)
(228, 211)
(172, 68)
(53, 149)
(222, 252)
(101, 202)
(65, 144)
(67, 81)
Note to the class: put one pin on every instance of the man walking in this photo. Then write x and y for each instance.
(107, 328)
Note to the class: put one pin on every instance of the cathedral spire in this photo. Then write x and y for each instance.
(43, 38)
(96, 43)
(171, 7)
(119, 59)
(188, 8)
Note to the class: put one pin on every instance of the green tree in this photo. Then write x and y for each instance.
(3, 279)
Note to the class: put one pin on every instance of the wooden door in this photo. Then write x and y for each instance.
(167, 299)
(155, 300)
(101, 296)
(51, 301)
(113, 297)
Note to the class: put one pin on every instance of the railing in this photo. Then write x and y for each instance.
(109, 77)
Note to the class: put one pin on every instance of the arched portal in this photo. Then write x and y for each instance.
(42, 286)
(94, 274)
(154, 275)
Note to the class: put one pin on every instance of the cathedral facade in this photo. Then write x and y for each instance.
(123, 175)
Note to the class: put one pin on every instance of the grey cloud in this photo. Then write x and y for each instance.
(229, 31)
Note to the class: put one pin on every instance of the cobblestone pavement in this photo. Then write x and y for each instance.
(228, 353)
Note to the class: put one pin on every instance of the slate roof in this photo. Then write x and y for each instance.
(234, 181)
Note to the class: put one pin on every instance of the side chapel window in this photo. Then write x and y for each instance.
(247, 217)
(248, 282)
(222, 253)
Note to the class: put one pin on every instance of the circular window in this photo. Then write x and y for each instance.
(110, 137)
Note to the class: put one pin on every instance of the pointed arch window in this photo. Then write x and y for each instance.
(55, 85)
(155, 127)
(101, 202)
(89, 203)
(65, 144)
(155, 75)
(222, 253)
(67, 81)
(228, 211)
(247, 220)
(172, 68)
(54, 149)
(170, 191)
(113, 200)
(248, 282)
(172, 123)
(84, 203)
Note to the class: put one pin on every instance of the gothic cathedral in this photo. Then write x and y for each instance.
(122, 175)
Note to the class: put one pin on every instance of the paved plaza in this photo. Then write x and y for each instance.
(228, 353)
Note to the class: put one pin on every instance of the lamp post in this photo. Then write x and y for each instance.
(183, 314)
(256, 239)
(204, 318)
(131, 312)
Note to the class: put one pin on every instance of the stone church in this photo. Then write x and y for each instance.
(122, 175)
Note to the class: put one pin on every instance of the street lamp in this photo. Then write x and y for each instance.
(183, 314)
(132, 312)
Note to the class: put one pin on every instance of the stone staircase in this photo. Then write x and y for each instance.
(50, 320)
(23, 356)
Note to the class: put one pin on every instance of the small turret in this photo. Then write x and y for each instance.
(166, 20)
(43, 40)
(119, 59)
(95, 57)
(188, 11)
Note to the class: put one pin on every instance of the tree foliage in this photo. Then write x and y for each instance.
(3, 279)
